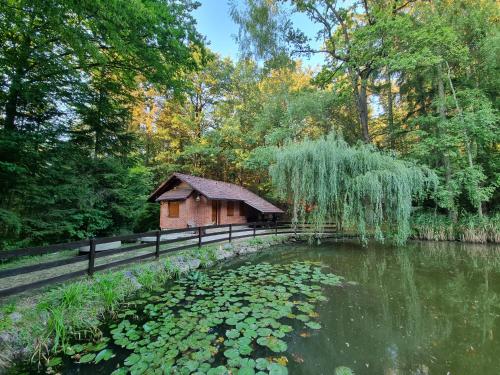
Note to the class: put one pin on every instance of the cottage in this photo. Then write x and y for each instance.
(195, 201)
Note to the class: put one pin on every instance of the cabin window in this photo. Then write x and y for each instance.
(230, 208)
(242, 209)
(173, 209)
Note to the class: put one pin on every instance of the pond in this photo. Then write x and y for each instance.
(426, 308)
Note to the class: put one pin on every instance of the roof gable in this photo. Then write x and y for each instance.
(217, 190)
(175, 194)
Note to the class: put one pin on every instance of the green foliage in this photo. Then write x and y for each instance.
(180, 328)
(343, 370)
(441, 53)
(469, 228)
(327, 180)
(429, 226)
(68, 162)
(99, 101)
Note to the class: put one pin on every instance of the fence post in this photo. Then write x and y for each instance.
(91, 257)
(230, 232)
(254, 226)
(157, 252)
(199, 236)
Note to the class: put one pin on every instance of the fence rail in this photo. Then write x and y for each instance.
(186, 238)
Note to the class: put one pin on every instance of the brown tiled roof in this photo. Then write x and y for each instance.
(174, 195)
(218, 190)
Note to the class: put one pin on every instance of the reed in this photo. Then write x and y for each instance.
(469, 228)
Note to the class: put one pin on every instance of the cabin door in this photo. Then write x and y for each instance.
(214, 212)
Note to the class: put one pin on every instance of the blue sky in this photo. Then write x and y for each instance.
(216, 24)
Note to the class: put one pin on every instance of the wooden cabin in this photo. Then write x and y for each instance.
(190, 201)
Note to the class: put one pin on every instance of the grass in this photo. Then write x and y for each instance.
(26, 278)
(470, 228)
(76, 309)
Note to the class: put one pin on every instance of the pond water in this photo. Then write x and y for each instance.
(427, 308)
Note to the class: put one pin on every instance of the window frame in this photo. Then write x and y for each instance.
(172, 204)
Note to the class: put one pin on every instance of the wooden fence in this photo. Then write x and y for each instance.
(185, 238)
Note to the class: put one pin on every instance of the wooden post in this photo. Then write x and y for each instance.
(230, 232)
(275, 227)
(91, 257)
(199, 236)
(157, 252)
(254, 226)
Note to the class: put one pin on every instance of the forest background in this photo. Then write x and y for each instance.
(102, 100)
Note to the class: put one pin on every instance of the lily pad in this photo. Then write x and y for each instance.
(313, 325)
(277, 369)
(87, 358)
(214, 322)
(104, 355)
(273, 343)
(231, 353)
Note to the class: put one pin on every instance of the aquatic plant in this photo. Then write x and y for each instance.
(469, 228)
(86, 303)
(214, 322)
(329, 181)
(343, 370)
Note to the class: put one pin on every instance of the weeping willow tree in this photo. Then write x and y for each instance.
(329, 181)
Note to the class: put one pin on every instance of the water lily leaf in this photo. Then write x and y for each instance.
(231, 353)
(264, 332)
(139, 368)
(246, 371)
(277, 369)
(103, 355)
(302, 317)
(192, 365)
(343, 370)
(87, 358)
(247, 362)
(120, 371)
(232, 333)
(261, 363)
(132, 359)
(313, 325)
(55, 361)
(78, 348)
(178, 330)
(273, 343)
(221, 370)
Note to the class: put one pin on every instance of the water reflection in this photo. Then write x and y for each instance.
(427, 308)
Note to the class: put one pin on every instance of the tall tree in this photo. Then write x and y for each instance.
(351, 38)
(68, 71)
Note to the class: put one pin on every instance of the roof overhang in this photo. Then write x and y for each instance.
(212, 192)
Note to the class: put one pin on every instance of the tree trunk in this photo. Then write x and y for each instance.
(363, 111)
(390, 115)
(11, 108)
(446, 160)
(467, 140)
(359, 87)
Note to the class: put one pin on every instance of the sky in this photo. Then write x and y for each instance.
(215, 23)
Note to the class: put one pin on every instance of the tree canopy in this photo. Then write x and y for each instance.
(329, 181)
(101, 100)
